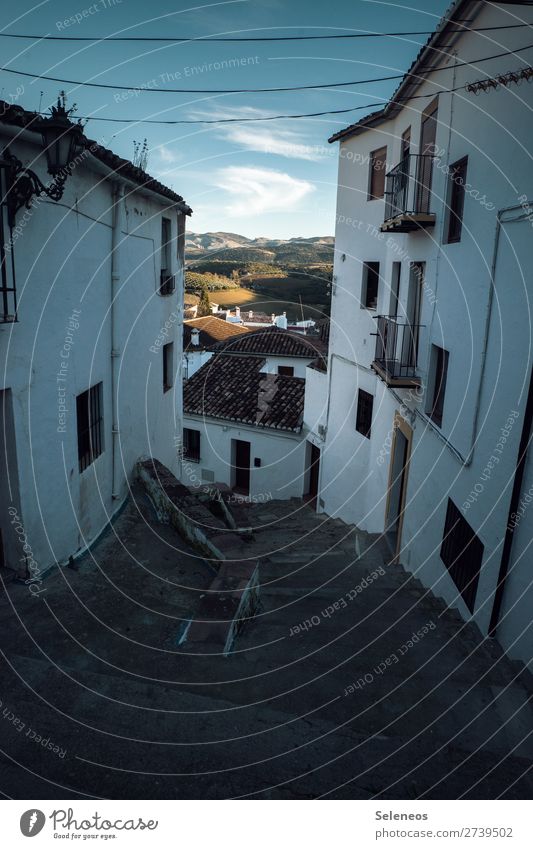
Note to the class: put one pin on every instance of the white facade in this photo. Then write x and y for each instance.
(475, 304)
(89, 312)
(281, 455)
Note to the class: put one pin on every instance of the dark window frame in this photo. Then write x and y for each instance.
(191, 444)
(405, 146)
(440, 360)
(168, 366)
(286, 371)
(456, 200)
(376, 173)
(90, 425)
(365, 408)
(167, 283)
(462, 554)
(370, 273)
(180, 241)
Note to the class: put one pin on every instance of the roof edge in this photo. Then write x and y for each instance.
(412, 79)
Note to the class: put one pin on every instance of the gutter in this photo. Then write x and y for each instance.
(116, 248)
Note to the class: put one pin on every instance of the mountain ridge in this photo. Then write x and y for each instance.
(221, 245)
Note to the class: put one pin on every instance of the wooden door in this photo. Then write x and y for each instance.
(242, 466)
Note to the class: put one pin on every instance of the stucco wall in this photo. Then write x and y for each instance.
(282, 456)
(492, 129)
(63, 341)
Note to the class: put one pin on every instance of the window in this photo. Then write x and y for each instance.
(191, 444)
(168, 366)
(365, 403)
(439, 369)
(406, 143)
(288, 371)
(456, 199)
(369, 294)
(90, 423)
(462, 554)
(376, 179)
(181, 239)
(167, 284)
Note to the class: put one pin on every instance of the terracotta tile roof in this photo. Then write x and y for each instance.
(212, 330)
(274, 342)
(432, 52)
(17, 116)
(235, 389)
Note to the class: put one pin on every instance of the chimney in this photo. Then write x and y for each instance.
(273, 318)
(237, 312)
(195, 336)
(250, 314)
(282, 321)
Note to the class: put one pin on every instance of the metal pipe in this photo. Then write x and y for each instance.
(116, 242)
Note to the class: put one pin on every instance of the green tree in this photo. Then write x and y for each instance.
(204, 306)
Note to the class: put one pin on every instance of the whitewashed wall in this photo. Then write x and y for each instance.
(63, 264)
(282, 455)
(492, 129)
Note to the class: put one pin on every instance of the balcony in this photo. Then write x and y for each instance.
(408, 195)
(167, 284)
(396, 355)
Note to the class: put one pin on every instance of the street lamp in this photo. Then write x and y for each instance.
(62, 141)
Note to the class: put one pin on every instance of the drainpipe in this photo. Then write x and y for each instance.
(499, 223)
(116, 236)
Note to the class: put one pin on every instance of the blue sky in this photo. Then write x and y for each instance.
(275, 178)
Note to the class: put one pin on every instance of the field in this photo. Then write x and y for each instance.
(279, 294)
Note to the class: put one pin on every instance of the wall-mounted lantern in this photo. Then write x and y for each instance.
(63, 141)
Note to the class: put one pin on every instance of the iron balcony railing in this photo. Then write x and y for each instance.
(408, 187)
(397, 347)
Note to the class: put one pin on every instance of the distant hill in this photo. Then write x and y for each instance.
(231, 247)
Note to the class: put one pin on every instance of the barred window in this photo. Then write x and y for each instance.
(462, 553)
(365, 404)
(90, 423)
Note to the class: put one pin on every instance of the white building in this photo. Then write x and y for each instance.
(425, 412)
(199, 336)
(90, 345)
(244, 416)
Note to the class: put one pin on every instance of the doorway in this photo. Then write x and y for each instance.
(314, 472)
(413, 312)
(397, 489)
(241, 466)
(428, 136)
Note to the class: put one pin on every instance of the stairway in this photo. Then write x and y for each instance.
(311, 702)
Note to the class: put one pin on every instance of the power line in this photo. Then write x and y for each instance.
(208, 38)
(117, 87)
(378, 104)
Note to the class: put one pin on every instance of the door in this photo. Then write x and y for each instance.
(398, 473)
(314, 471)
(241, 472)
(428, 136)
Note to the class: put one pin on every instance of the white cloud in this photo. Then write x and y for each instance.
(260, 190)
(280, 142)
(167, 155)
